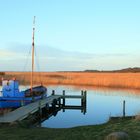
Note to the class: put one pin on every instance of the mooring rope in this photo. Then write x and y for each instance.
(38, 66)
(26, 64)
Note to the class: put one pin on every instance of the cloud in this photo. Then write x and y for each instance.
(6, 55)
(49, 58)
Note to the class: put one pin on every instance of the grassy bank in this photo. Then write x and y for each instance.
(96, 132)
(116, 80)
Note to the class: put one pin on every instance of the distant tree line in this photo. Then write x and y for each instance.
(133, 70)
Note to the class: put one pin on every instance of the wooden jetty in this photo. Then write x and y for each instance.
(53, 101)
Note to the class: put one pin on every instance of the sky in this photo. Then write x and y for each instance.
(70, 35)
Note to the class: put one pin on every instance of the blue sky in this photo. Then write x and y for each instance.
(70, 34)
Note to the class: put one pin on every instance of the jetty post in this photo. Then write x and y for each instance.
(54, 104)
(82, 95)
(59, 102)
(53, 92)
(63, 103)
(63, 97)
(124, 108)
(40, 109)
(84, 101)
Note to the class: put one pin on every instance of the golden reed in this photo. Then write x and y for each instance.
(117, 80)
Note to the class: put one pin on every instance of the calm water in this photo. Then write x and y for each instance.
(101, 104)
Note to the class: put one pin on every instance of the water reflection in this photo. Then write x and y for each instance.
(110, 90)
(57, 105)
(101, 104)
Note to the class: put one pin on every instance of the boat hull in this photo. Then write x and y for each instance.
(9, 102)
(29, 96)
(35, 91)
(13, 98)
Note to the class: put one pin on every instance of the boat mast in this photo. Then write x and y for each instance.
(33, 45)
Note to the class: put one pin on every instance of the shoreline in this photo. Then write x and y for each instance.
(24, 132)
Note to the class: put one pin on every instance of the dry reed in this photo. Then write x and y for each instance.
(117, 80)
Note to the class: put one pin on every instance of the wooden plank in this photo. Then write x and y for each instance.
(72, 96)
(23, 112)
(72, 107)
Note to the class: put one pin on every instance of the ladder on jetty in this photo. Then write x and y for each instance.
(53, 100)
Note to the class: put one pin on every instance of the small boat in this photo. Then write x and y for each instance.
(13, 98)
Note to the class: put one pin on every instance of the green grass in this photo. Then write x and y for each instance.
(94, 132)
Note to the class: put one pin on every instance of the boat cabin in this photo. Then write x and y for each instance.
(10, 88)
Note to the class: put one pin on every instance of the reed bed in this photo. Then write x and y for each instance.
(116, 80)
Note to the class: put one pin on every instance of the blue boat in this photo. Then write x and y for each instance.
(12, 97)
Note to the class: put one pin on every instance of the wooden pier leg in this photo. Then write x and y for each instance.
(84, 102)
(47, 107)
(124, 108)
(63, 100)
(54, 104)
(63, 97)
(82, 92)
(53, 92)
(59, 102)
(40, 109)
(42, 96)
(33, 99)
(82, 95)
